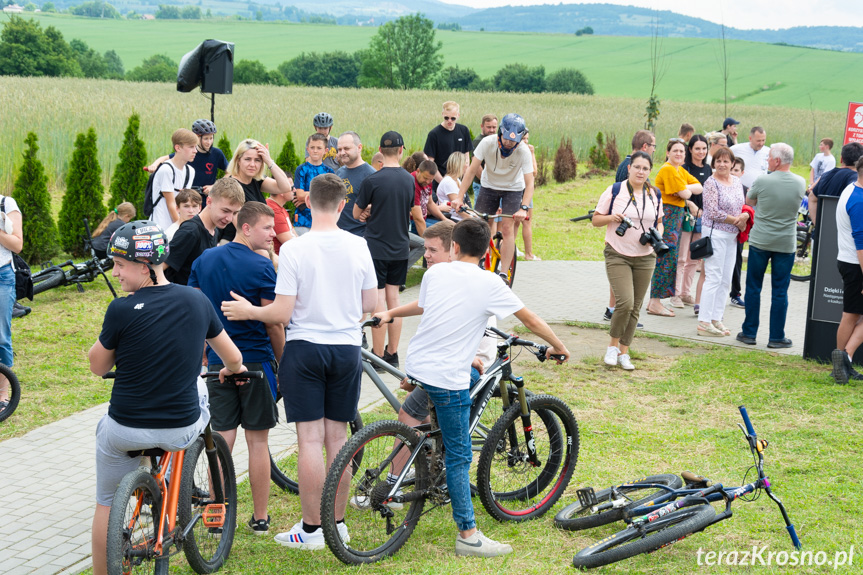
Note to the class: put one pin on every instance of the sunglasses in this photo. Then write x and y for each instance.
(448, 118)
(681, 140)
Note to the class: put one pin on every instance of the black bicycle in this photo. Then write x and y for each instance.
(802, 270)
(13, 393)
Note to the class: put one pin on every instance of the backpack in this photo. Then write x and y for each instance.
(23, 277)
(615, 189)
(149, 204)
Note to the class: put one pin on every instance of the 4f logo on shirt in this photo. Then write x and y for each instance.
(139, 306)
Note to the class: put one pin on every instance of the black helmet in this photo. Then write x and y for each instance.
(323, 120)
(203, 127)
(512, 128)
(139, 241)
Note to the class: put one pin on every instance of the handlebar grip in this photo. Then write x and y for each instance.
(244, 375)
(743, 413)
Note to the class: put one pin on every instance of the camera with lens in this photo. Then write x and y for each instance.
(625, 224)
(654, 238)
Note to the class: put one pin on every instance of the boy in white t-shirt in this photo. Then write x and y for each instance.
(167, 182)
(823, 161)
(326, 283)
(452, 325)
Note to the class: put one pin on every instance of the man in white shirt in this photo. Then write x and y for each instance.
(325, 284)
(754, 154)
(170, 180)
(453, 322)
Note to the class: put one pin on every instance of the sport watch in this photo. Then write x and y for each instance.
(524, 207)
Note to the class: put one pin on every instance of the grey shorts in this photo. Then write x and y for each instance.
(490, 200)
(416, 404)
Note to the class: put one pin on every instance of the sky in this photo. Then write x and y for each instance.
(744, 14)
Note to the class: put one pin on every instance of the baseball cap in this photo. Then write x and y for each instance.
(392, 140)
(729, 122)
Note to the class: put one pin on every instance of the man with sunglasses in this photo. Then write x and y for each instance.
(446, 138)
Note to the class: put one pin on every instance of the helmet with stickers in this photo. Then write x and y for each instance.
(512, 128)
(141, 241)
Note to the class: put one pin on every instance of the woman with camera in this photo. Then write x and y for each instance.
(677, 186)
(722, 221)
(633, 231)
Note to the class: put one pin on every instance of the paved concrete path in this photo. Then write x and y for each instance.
(48, 494)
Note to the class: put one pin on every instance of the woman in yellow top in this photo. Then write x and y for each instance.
(677, 186)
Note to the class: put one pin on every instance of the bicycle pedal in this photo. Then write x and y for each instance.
(214, 515)
(587, 497)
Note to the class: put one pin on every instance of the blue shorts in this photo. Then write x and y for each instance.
(320, 381)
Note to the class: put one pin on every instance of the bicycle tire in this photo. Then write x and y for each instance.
(132, 534)
(283, 442)
(510, 272)
(801, 278)
(373, 536)
(205, 552)
(575, 516)
(492, 412)
(504, 467)
(14, 392)
(51, 279)
(633, 541)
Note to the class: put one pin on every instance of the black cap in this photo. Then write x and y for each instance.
(729, 122)
(392, 140)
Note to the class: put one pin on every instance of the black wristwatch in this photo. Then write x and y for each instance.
(524, 207)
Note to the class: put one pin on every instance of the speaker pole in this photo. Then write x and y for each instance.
(213, 107)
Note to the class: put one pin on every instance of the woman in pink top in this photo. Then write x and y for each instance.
(628, 264)
(722, 221)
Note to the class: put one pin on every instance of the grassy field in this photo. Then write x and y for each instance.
(57, 109)
(617, 66)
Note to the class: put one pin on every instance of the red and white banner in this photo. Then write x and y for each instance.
(854, 123)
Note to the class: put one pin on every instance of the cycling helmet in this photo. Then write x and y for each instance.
(140, 241)
(512, 128)
(203, 127)
(323, 120)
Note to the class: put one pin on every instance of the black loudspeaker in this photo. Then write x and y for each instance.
(218, 73)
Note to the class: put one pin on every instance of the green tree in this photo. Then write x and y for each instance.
(288, 159)
(31, 193)
(129, 180)
(168, 12)
(48, 7)
(332, 69)
(520, 78)
(191, 13)
(95, 9)
(27, 50)
(455, 78)
(224, 144)
(92, 63)
(568, 80)
(158, 68)
(30, 7)
(84, 192)
(113, 66)
(253, 72)
(402, 55)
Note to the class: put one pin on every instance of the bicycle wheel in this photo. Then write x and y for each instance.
(576, 516)
(207, 548)
(511, 486)
(50, 279)
(492, 412)
(14, 392)
(510, 272)
(649, 537)
(377, 530)
(131, 529)
(283, 450)
(802, 270)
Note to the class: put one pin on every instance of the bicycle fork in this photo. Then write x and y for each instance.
(527, 426)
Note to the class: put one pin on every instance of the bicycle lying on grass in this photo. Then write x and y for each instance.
(652, 521)
(185, 499)
(8, 407)
(525, 464)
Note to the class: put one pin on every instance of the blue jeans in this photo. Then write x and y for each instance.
(453, 415)
(780, 277)
(7, 301)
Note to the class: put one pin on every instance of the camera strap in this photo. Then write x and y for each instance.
(643, 204)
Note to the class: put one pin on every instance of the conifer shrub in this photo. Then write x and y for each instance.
(224, 144)
(129, 179)
(288, 158)
(565, 164)
(597, 156)
(84, 193)
(611, 152)
(41, 241)
(541, 176)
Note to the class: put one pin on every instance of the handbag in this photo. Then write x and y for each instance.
(702, 247)
(23, 277)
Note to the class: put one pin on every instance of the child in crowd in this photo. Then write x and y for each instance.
(188, 206)
(823, 161)
(168, 181)
(122, 214)
(284, 229)
(316, 147)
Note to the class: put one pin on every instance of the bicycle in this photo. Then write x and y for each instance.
(658, 512)
(8, 407)
(282, 441)
(802, 258)
(185, 499)
(521, 472)
(491, 261)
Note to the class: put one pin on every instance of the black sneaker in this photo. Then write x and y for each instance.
(402, 288)
(840, 370)
(504, 278)
(779, 343)
(259, 526)
(392, 358)
(849, 367)
(606, 316)
(378, 368)
(743, 338)
(19, 310)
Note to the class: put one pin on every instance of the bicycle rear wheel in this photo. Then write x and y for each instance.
(802, 270)
(492, 412)
(132, 531)
(377, 529)
(207, 548)
(512, 486)
(14, 392)
(48, 279)
(576, 516)
(649, 537)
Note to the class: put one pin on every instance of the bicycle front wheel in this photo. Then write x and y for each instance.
(132, 530)
(50, 279)
(207, 548)
(576, 516)
(14, 392)
(525, 465)
(378, 526)
(649, 537)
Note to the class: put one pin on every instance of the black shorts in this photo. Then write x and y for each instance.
(391, 272)
(490, 200)
(251, 404)
(320, 381)
(852, 298)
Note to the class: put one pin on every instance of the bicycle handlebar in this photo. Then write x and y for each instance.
(515, 340)
(746, 421)
(372, 322)
(243, 375)
(476, 214)
(589, 216)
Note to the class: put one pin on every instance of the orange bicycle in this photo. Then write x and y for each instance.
(491, 261)
(184, 500)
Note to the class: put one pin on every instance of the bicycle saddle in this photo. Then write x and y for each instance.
(695, 480)
(152, 452)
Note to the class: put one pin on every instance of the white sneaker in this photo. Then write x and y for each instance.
(343, 532)
(624, 362)
(611, 356)
(478, 545)
(364, 503)
(296, 538)
(519, 253)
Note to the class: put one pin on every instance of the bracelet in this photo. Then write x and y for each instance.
(271, 166)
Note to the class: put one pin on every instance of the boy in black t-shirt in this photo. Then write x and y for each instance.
(151, 405)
